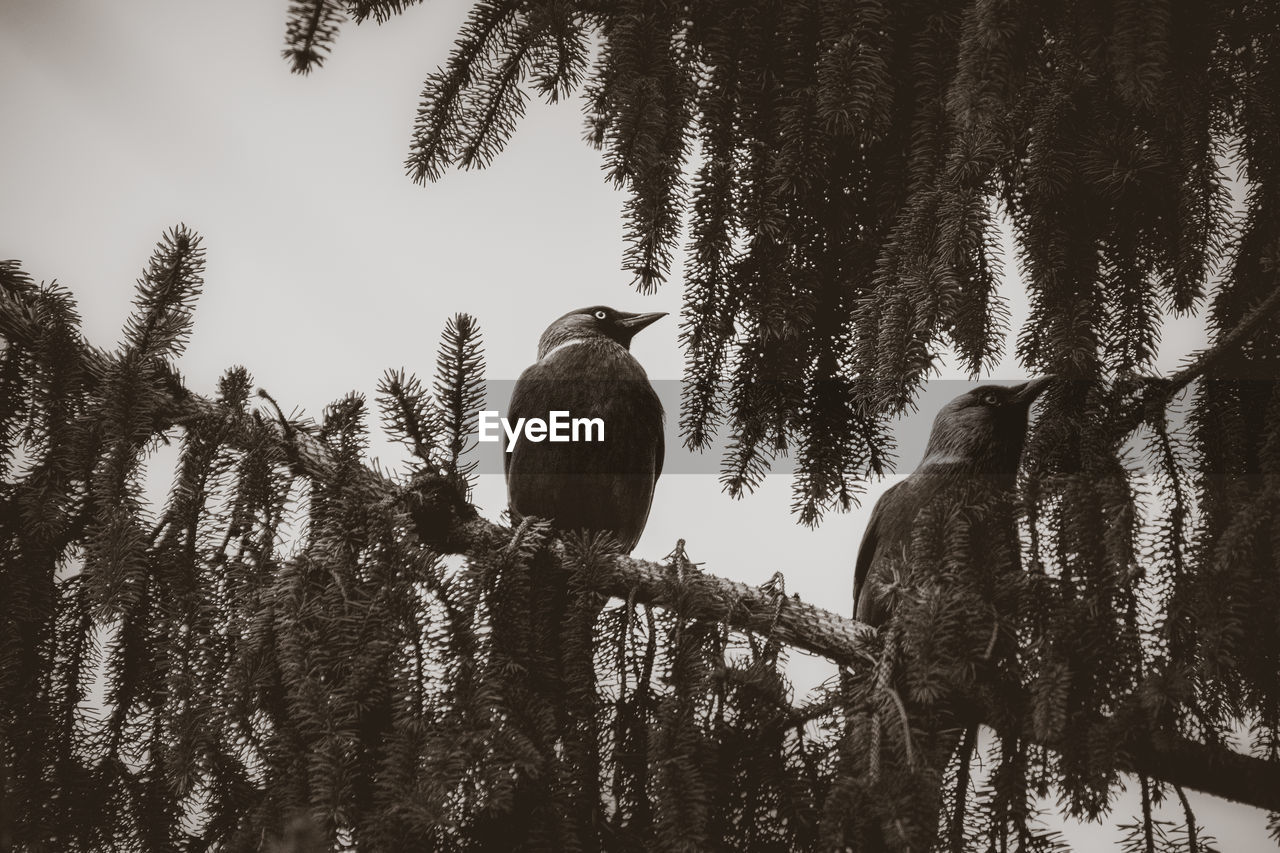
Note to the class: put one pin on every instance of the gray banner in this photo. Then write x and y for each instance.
(910, 432)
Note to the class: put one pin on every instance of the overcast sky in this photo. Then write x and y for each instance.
(326, 265)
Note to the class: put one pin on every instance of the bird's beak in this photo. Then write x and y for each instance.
(635, 322)
(1026, 393)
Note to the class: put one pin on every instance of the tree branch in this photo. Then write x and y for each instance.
(1233, 340)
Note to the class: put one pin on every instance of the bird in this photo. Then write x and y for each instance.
(977, 438)
(979, 433)
(585, 368)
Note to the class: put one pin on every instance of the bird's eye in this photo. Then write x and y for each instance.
(600, 315)
(990, 399)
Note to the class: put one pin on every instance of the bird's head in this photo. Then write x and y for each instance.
(983, 429)
(598, 321)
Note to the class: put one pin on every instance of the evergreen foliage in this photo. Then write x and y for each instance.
(187, 677)
(840, 168)
(313, 25)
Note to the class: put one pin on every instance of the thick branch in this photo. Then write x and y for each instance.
(748, 608)
(1221, 772)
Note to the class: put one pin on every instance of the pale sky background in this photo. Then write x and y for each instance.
(326, 265)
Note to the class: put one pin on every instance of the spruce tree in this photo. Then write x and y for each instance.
(838, 169)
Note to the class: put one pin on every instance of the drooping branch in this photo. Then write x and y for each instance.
(1163, 756)
(1155, 393)
(1233, 340)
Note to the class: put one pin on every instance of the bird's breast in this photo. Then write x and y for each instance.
(604, 484)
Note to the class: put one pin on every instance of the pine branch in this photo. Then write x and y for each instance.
(1227, 344)
(313, 26)
(408, 412)
(459, 382)
(166, 296)
(1155, 393)
(380, 10)
(436, 137)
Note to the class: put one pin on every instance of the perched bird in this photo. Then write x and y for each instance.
(977, 440)
(585, 368)
(978, 434)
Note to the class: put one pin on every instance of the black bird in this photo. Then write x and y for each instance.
(978, 434)
(585, 367)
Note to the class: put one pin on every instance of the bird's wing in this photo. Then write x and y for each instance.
(660, 453)
(519, 407)
(883, 515)
(524, 404)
